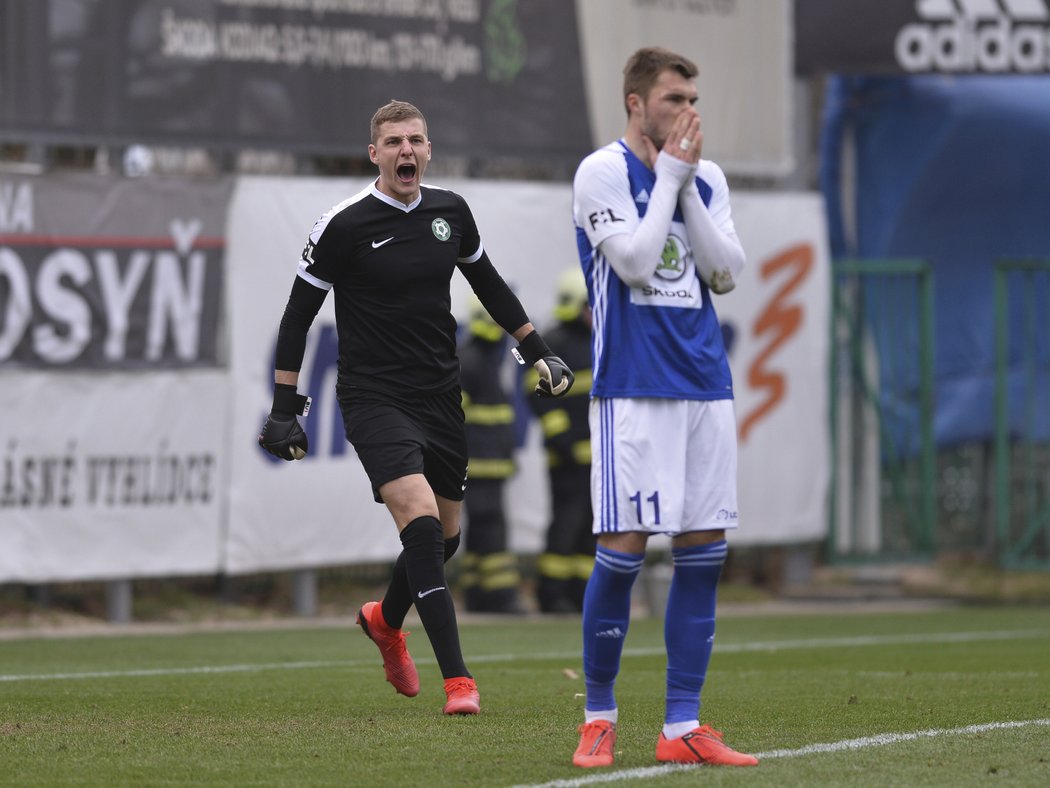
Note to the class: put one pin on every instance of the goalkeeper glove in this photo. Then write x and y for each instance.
(555, 376)
(281, 434)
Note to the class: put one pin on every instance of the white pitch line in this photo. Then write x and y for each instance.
(728, 648)
(881, 739)
(878, 740)
(114, 674)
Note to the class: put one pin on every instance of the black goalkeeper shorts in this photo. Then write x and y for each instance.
(398, 436)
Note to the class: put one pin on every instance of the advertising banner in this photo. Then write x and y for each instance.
(775, 324)
(113, 395)
(492, 76)
(106, 273)
(320, 511)
(743, 50)
(111, 476)
(317, 511)
(922, 36)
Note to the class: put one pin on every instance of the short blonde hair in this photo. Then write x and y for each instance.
(394, 112)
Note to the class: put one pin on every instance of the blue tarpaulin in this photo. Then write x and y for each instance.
(954, 171)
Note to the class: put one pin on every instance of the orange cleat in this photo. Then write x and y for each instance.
(462, 694)
(701, 745)
(596, 744)
(397, 662)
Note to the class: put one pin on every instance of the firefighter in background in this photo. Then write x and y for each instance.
(490, 577)
(566, 563)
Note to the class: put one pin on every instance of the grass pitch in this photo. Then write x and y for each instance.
(958, 697)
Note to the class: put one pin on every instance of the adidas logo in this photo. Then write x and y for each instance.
(615, 632)
(976, 35)
(642, 197)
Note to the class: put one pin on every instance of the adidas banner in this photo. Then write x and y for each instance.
(922, 36)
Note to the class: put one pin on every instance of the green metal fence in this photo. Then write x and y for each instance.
(1022, 413)
(883, 504)
(894, 495)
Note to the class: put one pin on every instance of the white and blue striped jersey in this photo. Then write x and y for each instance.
(662, 340)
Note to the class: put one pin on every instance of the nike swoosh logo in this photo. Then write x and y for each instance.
(377, 244)
(422, 594)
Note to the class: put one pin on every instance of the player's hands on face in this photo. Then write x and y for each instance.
(685, 140)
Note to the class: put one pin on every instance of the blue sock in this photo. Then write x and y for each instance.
(606, 614)
(689, 626)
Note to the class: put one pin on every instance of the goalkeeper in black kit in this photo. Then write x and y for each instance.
(388, 254)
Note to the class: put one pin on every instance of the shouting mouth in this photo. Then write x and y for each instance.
(406, 173)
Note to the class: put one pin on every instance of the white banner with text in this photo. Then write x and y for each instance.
(137, 330)
(112, 391)
(320, 510)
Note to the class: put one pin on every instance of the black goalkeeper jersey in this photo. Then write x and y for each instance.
(390, 267)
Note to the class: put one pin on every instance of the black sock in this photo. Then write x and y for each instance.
(398, 598)
(424, 556)
(451, 546)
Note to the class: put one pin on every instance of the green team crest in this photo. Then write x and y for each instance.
(441, 229)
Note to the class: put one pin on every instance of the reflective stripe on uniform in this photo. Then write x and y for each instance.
(555, 422)
(488, 414)
(556, 567)
(480, 468)
(583, 566)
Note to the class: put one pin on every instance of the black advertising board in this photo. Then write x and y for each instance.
(492, 76)
(922, 36)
